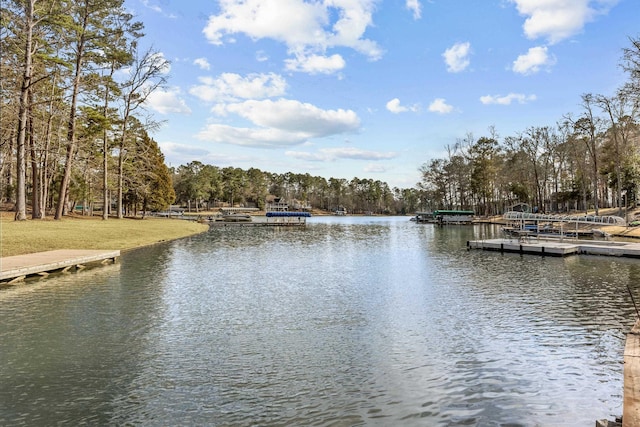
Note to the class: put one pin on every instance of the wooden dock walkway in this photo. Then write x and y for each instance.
(557, 247)
(631, 404)
(19, 267)
(262, 221)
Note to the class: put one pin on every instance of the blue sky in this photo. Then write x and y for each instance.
(371, 88)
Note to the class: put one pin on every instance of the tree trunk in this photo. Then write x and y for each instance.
(595, 185)
(7, 178)
(21, 167)
(105, 154)
(121, 155)
(45, 166)
(105, 176)
(35, 170)
(71, 131)
(63, 197)
(120, 182)
(36, 184)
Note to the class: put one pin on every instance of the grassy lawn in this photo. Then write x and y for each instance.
(22, 237)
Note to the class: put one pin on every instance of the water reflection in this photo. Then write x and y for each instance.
(350, 321)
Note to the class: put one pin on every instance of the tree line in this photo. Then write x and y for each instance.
(201, 186)
(73, 127)
(74, 132)
(585, 161)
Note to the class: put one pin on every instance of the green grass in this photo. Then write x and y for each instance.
(23, 237)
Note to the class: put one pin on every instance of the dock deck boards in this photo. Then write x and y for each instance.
(21, 266)
(557, 247)
(631, 405)
(263, 221)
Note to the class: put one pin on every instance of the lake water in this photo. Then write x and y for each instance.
(348, 321)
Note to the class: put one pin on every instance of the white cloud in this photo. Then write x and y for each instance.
(332, 154)
(250, 137)
(533, 60)
(153, 7)
(314, 64)
(375, 168)
(167, 101)
(307, 28)
(155, 60)
(395, 107)
(415, 7)
(288, 21)
(279, 123)
(262, 56)
(295, 116)
(508, 99)
(558, 20)
(181, 154)
(202, 63)
(157, 9)
(439, 105)
(232, 87)
(178, 150)
(457, 57)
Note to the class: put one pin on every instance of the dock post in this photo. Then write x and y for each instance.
(16, 280)
(631, 382)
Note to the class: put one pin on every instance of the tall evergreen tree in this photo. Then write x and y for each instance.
(93, 28)
(27, 24)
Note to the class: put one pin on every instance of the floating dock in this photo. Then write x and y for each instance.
(558, 247)
(271, 219)
(19, 267)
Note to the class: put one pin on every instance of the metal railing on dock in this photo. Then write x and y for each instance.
(580, 219)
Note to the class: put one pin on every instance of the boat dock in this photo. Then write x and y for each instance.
(443, 217)
(558, 247)
(631, 405)
(261, 221)
(631, 383)
(19, 267)
(271, 219)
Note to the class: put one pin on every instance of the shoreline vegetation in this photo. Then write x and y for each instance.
(91, 232)
(82, 232)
